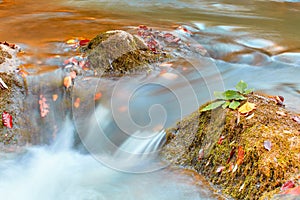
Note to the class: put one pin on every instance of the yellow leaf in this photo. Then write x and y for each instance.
(67, 81)
(54, 97)
(247, 107)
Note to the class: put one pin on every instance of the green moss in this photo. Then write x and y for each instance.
(262, 172)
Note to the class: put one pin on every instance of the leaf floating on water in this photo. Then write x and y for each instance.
(77, 102)
(220, 169)
(7, 120)
(296, 119)
(44, 107)
(247, 108)
(287, 185)
(268, 145)
(240, 157)
(67, 81)
(2, 84)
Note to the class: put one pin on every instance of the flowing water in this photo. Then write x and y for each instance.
(257, 41)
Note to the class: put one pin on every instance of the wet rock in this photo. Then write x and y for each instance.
(208, 141)
(12, 96)
(118, 53)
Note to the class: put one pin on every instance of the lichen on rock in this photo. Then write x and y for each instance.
(118, 53)
(228, 148)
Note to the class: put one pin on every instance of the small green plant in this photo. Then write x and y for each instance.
(229, 98)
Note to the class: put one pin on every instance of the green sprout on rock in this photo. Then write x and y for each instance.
(229, 98)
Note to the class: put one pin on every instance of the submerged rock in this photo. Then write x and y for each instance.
(118, 53)
(248, 157)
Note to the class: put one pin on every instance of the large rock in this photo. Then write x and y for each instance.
(117, 53)
(249, 157)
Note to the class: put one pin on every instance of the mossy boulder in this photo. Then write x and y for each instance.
(248, 157)
(116, 53)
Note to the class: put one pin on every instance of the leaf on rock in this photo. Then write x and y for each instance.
(240, 157)
(296, 119)
(247, 107)
(294, 191)
(241, 86)
(287, 185)
(220, 169)
(7, 120)
(268, 145)
(233, 95)
(67, 81)
(77, 102)
(44, 107)
(212, 106)
(234, 105)
(54, 97)
(226, 104)
(97, 96)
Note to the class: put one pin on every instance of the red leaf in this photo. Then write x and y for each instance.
(295, 191)
(7, 120)
(221, 139)
(232, 152)
(240, 157)
(287, 185)
(83, 42)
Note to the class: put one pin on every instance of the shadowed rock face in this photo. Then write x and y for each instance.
(229, 148)
(118, 53)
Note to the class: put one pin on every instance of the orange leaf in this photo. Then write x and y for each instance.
(240, 156)
(67, 81)
(98, 96)
(247, 107)
(54, 97)
(77, 102)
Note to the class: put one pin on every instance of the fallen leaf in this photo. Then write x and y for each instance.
(240, 156)
(281, 113)
(7, 120)
(43, 106)
(54, 97)
(221, 139)
(71, 41)
(73, 74)
(247, 107)
(268, 145)
(296, 119)
(220, 169)
(294, 191)
(278, 99)
(67, 81)
(83, 42)
(250, 116)
(232, 152)
(287, 185)
(201, 154)
(2, 84)
(97, 96)
(77, 102)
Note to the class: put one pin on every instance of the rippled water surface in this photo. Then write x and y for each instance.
(257, 41)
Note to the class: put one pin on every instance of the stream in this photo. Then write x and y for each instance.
(256, 41)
